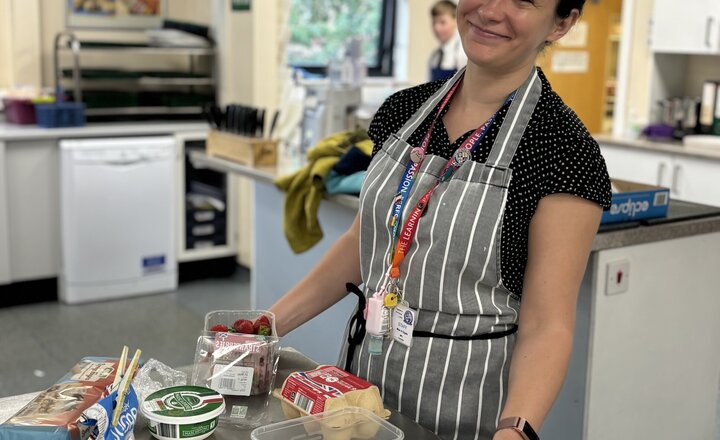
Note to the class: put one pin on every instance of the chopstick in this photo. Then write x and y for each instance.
(125, 386)
(120, 368)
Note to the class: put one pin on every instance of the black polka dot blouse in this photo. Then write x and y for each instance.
(556, 155)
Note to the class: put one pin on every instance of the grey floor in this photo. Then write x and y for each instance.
(39, 343)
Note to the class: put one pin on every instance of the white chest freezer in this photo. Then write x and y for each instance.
(117, 201)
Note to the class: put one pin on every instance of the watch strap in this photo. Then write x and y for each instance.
(519, 425)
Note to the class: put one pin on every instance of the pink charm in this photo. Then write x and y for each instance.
(417, 154)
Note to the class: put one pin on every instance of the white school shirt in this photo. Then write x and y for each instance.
(453, 55)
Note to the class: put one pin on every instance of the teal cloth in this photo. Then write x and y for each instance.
(338, 184)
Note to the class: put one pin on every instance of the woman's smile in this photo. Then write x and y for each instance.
(481, 33)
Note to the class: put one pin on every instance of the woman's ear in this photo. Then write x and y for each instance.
(563, 26)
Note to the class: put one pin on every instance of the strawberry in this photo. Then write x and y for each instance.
(244, 326)
(263, 330)
(262, 321)
(219, 328)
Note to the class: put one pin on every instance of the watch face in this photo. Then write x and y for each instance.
(529, 431)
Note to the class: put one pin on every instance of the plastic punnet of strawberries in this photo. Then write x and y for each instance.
(261, 326)
(238, 359)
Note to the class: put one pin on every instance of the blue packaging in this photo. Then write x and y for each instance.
(95, 422)
(636, 201)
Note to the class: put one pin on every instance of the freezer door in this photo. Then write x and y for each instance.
(117, 204)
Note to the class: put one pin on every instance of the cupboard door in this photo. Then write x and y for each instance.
(639, 166)
(689, 26)
(33, 208)
(696, 180)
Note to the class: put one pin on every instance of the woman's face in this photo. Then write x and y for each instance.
(509, 34)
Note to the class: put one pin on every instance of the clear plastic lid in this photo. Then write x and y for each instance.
(345, 424)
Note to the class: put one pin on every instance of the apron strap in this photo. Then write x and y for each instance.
(412, 124)
(515, 122)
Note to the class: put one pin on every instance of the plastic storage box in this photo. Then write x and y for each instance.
(60, 114)
(345, 424)
(19, 111)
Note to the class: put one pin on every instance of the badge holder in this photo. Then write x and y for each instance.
(378, 324)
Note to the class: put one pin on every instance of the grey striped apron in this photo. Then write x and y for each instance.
(451, 277)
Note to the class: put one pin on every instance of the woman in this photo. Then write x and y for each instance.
(515, 222)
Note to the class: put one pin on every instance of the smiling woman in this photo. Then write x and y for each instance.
(477, 212)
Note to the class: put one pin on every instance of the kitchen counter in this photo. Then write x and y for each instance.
(691, 219)
(290, 361)
(674, 147)
(14, 132)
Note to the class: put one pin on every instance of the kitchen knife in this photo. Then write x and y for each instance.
(242, 118)
(261, 123)
(229, 113)
(252, 117)
(273, 123)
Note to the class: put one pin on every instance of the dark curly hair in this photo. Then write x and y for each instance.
(564, 7)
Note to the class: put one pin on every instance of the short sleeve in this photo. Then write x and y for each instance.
(579, 169)
(380, 129)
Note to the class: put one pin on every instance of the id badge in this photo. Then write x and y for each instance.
(403, 324)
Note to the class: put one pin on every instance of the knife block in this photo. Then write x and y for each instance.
(242, 149)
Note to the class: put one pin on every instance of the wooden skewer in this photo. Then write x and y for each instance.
(125, 386)
(120, 368)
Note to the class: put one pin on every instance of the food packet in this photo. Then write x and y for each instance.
(55, 412)
(96, 422)
(328, 388)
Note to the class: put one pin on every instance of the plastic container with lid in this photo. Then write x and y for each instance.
(183, 412)
(345, 424)
(242, 367)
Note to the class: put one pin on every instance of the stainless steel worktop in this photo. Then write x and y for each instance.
(290, 361)
(14, 132)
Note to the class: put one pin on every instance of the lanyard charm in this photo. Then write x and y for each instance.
(392, 294)
(462, 155)
(391, 300)
(417, 154)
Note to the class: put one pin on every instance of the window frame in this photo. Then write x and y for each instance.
(386, 45)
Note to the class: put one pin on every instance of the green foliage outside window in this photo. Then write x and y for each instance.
(319, 30)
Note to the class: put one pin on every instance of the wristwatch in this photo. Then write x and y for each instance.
(519, 425)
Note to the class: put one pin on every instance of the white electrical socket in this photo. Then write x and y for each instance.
(618, 277)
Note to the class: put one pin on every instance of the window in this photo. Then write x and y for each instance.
(319, 30)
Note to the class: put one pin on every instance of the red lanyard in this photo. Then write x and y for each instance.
(461, 155)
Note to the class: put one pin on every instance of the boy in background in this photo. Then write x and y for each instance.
(450, 56)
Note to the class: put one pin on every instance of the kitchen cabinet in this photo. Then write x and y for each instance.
(696, 180)
(4, 240)
(689, 178)
(690, 27)
(645, 361)
(33, 210)
(639, 166)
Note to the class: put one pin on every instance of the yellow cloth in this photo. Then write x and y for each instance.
(365, 146)
(306, 187)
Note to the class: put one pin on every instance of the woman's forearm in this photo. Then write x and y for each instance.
(537, 372)
(323, 286)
